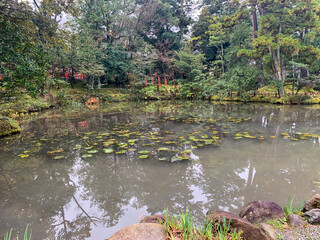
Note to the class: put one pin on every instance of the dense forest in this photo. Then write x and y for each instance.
(206, 47)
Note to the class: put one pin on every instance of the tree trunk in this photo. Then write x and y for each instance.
(277, 71)
(222, 58)
(181, 21)
(254, 22)
(99, 83)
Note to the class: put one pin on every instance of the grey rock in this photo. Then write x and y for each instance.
(269, 231)
(296, 221)
(154, 219)
(249, 231)
(312, 203)
(141, 231)
(313, 216)
(261, 211)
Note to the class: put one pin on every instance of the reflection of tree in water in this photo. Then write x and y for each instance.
(151, 183)
(39, 197)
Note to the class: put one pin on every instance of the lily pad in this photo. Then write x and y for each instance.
(163, 159)
(123, 145)
(87, 155)
(144, 152)
(108, 150)
(93, 151)
(178, 158)
(58, 157)
(187, 151)
(121, 152)
(143, 156)
(163, 149)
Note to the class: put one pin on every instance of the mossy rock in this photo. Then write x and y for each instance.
(8, 126)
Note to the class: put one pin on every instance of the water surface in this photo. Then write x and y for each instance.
(211, 156)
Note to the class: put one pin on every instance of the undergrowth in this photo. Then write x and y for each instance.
(182, 227)
(290, 209)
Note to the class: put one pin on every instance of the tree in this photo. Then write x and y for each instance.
(189, 64)
(286, 30)
(23, 59)
(163, 29)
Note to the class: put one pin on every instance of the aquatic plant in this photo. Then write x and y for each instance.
(184, 228)
(290, 209)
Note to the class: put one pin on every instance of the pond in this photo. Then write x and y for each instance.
(84, 174)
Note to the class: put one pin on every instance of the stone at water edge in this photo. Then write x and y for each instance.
(141, 231)
(312, 203)
(295, 221)
(8, 126)
(313, 216)
(249, 231)
(154, 219)
(261, 211)
(269, 231)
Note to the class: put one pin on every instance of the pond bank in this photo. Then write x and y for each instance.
(20, 106)
(258, 220)
(25, 103)
(8, 126)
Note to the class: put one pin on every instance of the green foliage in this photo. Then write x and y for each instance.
(185, 223)
(290, 209)
(279, 223)
(223, 231)
(298, 99)
(185, 228)
(189, 64)
(23, 57)
(154, 92)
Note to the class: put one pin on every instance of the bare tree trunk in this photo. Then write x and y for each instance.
(222, 58)
(277, 72)
(99, 83)
(180, 18)
(254, 22)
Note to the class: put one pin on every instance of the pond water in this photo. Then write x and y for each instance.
(85, 174)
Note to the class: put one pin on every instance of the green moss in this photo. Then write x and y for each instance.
(8, 126)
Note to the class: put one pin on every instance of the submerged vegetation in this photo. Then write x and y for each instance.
(26, 235)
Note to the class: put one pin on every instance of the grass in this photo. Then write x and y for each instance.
(279, 223)
(290, 209)
(184, 228)
(26, 235)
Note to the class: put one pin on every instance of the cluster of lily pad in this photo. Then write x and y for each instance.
(162, 138)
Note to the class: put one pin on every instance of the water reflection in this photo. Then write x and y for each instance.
(77, 198)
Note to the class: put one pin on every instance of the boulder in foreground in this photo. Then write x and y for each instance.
(261, 211)
(312, 203)
(249, 231)
(154, 219)
(313, 216)
(141, 231)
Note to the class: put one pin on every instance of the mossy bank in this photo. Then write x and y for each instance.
(8, 126)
